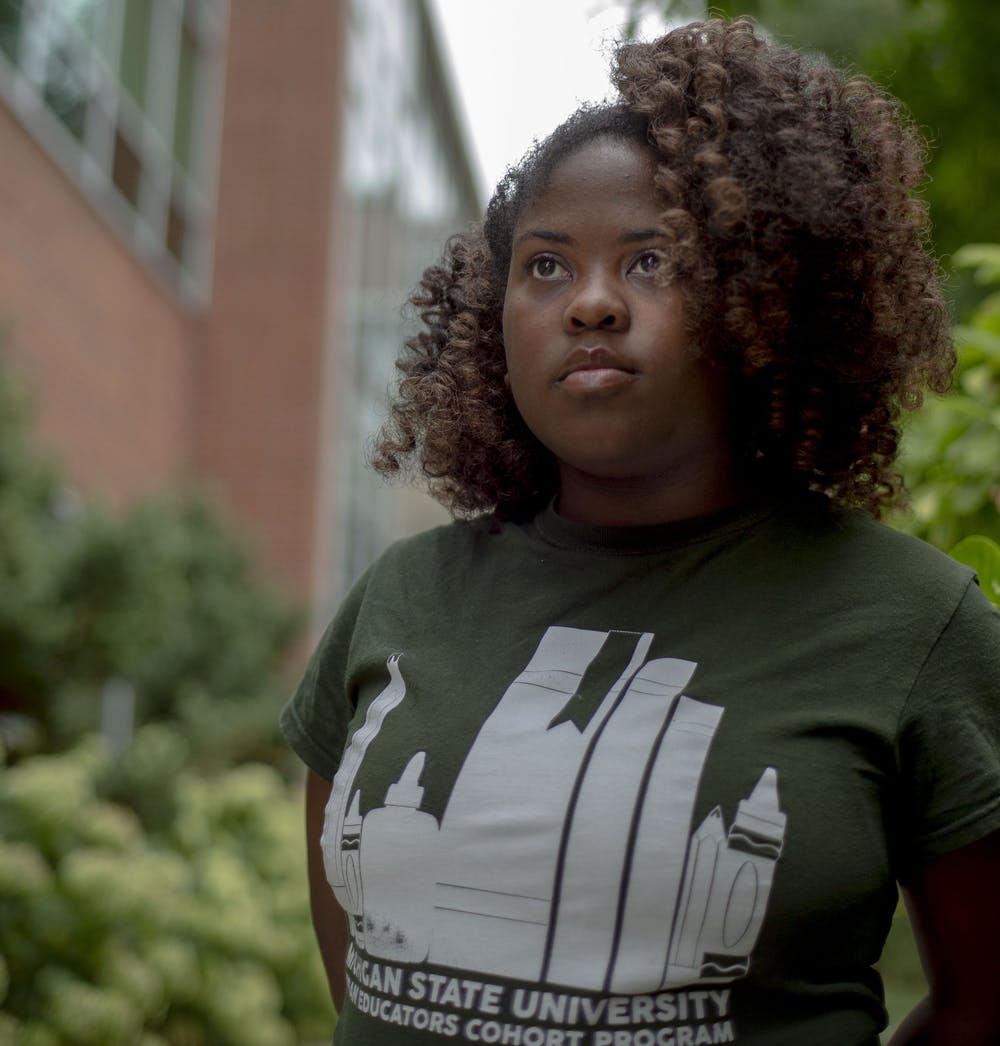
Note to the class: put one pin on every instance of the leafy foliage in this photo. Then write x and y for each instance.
(983, 555)
(32, 620)
(942, 63)
(162, 596)
(196, 933)
(951, 448)
(157, 895)
(938, 56)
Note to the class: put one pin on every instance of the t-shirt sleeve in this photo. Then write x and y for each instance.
(315, 720)
(949, 736)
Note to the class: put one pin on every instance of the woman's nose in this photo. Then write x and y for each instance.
(595, 305)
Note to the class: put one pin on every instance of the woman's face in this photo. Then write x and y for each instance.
(599, 361)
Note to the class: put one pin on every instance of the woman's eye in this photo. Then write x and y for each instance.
(649, 263)
(545, 267)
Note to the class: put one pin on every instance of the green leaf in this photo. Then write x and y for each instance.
(983, 555)
(984, 258)
(975, 339)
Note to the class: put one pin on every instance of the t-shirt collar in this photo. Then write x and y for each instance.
(639, 540)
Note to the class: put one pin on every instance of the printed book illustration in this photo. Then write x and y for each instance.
(566, 853)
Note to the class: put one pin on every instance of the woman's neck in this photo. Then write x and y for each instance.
(647, 500)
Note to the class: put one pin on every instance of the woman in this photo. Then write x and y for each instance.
(638, 752)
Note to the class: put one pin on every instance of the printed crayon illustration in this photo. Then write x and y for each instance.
(566, 852)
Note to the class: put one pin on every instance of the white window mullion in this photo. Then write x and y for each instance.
(99, 141)
(207, 135)
(157, 137)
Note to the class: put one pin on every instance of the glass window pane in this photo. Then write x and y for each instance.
(176, 231)
(184, 111)
(10, 26)
(86, 14)
(135, 48)
(126, 170)
(66, 92)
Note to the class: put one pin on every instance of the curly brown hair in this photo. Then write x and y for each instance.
(789, 199)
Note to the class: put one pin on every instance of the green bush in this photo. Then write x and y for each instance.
(951, 447)
(33, 623)
(156, 895)
(163, 596)
(195, 933)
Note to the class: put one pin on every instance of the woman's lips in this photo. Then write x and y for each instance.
(595, 368)
(596, 379)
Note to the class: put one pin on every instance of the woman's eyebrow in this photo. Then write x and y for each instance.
(544, 234)
(639, 235)
(633, 236)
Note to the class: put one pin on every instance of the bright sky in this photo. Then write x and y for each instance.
(522, 66)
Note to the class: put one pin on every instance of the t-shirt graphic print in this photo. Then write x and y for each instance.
(566, 856)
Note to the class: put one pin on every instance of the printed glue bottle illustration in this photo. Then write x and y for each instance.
(399, 835)
(341, 839)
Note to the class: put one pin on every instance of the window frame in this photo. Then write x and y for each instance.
(168, 196)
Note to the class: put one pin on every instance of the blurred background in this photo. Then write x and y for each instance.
(211, 213)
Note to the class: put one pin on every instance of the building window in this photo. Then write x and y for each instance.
(125, 95)
(408, 185)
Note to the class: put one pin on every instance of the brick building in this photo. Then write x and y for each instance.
(210, 213)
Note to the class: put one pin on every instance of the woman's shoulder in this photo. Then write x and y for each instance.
(448, 549)
(847, 550)
(444, 542)
(852, 532)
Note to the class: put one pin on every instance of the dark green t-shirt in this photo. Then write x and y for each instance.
(647, 786)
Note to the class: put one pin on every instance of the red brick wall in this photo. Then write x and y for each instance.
(106, 350)
(263, 368)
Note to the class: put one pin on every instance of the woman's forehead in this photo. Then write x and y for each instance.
(606, 169)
